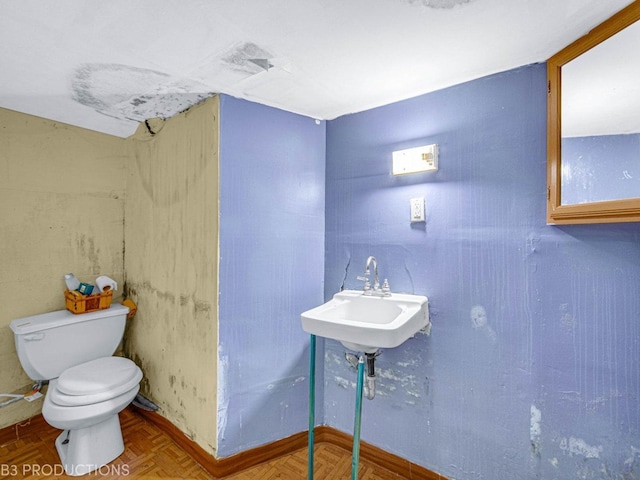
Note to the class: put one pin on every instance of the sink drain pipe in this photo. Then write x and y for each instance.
(370, 381)
(370, 391)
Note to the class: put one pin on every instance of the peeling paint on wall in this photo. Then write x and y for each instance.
(567, 320)
(535, 430)
(577, 446)
(480, 323)
(397, 380)
(223, 396)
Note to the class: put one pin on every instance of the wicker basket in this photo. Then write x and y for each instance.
(87, 303)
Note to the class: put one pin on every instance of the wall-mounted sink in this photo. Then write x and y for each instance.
(365, 323)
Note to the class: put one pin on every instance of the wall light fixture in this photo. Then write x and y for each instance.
(416, 160)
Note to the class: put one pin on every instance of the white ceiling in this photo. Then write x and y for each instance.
(106, 65)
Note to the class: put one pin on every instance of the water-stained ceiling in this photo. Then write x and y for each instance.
(106, 66)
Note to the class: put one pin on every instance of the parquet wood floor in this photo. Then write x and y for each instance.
(330, 462)
(29, 453)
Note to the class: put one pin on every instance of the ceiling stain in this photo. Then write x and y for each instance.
(247, 58)
(441, 4)
(133, 93)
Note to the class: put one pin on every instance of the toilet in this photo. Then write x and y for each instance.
(88, 386)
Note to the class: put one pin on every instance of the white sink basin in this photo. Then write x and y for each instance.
(366, 323)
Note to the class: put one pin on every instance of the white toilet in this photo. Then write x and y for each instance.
(87, 386)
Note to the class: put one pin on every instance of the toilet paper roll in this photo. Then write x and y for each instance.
(105, 283)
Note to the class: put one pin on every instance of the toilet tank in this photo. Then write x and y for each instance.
(49, 343)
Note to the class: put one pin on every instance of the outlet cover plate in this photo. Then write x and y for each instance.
(417, 209)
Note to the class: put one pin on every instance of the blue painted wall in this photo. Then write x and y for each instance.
(602, 167)
(271, 268)
(531, 370)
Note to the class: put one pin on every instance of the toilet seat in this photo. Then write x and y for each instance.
(95, 381)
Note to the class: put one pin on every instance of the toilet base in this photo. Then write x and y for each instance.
(90, 448)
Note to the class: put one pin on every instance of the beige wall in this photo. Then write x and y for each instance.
(62, 196)
(171, 237)
(62, 207)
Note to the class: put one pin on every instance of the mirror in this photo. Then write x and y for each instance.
(593, 121)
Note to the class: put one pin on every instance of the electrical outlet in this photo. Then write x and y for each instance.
(417, 210)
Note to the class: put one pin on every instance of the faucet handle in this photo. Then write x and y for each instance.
(386, 289)
(367, 283)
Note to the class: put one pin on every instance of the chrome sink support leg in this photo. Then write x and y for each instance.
(312, 403)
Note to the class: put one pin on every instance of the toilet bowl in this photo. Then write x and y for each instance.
(71, 418)
(91, 392)
(84, 402)
(87, 386)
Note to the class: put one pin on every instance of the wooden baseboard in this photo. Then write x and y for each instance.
(249, 458)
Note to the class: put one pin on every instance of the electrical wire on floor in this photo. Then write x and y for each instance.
(13, 398)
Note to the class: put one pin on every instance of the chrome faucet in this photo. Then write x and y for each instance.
(377, 291)
(376, 280)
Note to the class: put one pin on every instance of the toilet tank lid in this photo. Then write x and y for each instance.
(58, 318)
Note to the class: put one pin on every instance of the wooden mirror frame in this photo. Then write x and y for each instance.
(627, 210)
